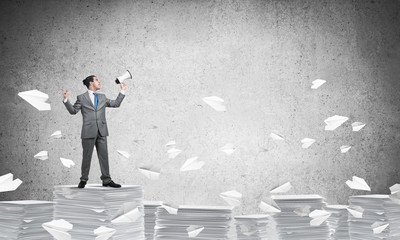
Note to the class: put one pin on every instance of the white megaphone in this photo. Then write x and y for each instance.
(127, 75)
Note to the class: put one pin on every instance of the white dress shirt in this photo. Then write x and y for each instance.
(91, 95)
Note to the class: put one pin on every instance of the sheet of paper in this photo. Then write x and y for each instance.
(270, 207)
(194, 230)
(276, 136)
(317, 83)
(379, 227)
(37, 99)
(103, 233)
(170, 143)
(334, 122)
(124, 155)
(58, 229)
(150, 172)
(318, 217)
(303, 211)
(216, 103)
(42, 155)
(307, 142)
(282, 189)
(173, 152)
(356, 211)
(345, 148)
(228, 149)
(357, 126)
(358, 184)
(170, 208)
(56, 134)
(67, 162)
(7, 183)
(233, 197)
(192, 164)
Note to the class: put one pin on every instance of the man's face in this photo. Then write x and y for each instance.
(95, 83)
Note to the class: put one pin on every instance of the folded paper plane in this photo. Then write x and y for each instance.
(42, 155)
(379, 227)
(103, 233)
(228, 149)
(270, 207)
(151, 173)
(334, 122)
(317, 83)
(356, 211)
(7, 183)
(307, 142)
(58, 229)
(318, 217)
(192, 164)
(345, 148)
(358, 184)
(194, 230)
(56, 134)
(130, 216)
(282, 189)
(276, 136)
(173, 152)
(124, 155)
(215, 102)
(170, 143)
(170, 208)
(67, 162)
(357, 126)
(233, 197)
(395, 188)
(302, 211)
(37, 99)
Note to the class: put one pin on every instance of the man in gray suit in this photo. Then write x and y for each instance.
(94, 128)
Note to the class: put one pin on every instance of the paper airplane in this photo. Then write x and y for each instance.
(282, 189)
(103, 233)
(130, 216)
(232, 197)
(150, 172)
(194, 230)
(58, 229)
(228, 149)
(67, 162)
(357, 126)
(270, 207)
(173, 152)
(334, 122)
(395, 197)
(170, 143)
(318, 217)
(276, 136)
(124, 155)
(37, 99)
(56, 134)
(356, 211)
(379, 227)
(42, 155)
(303, 211)
(395, 188)
(216, 103)
(171, 209)
(345, 148)
(358, 184)
(7, 183)
(317, 83)
(192, 164)
(307, 142)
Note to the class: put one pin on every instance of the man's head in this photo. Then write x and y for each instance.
(92, 83)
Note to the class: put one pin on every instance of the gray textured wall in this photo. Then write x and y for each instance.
(259, 56)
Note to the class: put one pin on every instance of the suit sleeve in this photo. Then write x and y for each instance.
(115, 103)
(73, 109)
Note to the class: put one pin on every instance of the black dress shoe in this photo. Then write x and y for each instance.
(81, 184)
(112, 184)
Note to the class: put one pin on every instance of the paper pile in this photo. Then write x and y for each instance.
(24, 219)
(252, 226)
(393, 213)
(95, 206)
(338, 222)
(200, 222)
(301, 217)
(368, 217)
(150, 209)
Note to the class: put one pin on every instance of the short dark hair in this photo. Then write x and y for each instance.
(87, 80)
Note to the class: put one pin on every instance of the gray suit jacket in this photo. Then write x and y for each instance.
(94, 120)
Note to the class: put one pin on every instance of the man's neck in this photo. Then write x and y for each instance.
(92, 89)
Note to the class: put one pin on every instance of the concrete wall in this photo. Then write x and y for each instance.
(259, 56)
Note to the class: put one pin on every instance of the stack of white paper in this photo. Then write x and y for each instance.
(150, 209)
(366, 212)
(393, 213)
(298, 218)
(94, 206)
(252, 226)
(24, 219)
(199, 222)
(339, 226)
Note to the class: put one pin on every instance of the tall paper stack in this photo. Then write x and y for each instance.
(290, 225)
(150, 209)
(198, 222)
(253, 227)
(374, 212)
(393, 213)
(338, 222)
(24, 219)
(95, 206)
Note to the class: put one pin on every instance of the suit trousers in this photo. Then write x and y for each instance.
(102, 154)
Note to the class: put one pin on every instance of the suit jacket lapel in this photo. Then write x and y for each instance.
(88, 99)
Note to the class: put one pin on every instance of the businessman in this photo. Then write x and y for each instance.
(94, 127)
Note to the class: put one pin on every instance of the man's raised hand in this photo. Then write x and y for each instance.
(64, 93)
(123, 86)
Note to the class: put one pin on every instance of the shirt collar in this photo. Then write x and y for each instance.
(90, 92)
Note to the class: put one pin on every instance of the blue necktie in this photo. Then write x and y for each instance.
(95, 100)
